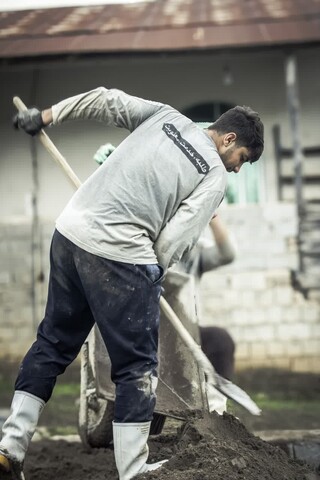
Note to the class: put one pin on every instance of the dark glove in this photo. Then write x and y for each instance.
(30, 121)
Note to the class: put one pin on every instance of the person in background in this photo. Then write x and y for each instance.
(215, 248)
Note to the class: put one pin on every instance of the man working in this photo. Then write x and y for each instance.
(132, 219)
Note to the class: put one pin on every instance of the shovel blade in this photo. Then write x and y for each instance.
(235, 393)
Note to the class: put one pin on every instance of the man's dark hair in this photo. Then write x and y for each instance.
(248, 127)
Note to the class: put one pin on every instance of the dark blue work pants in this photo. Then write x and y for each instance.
(123, 299)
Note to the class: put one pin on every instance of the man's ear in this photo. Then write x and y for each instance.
(229, 138)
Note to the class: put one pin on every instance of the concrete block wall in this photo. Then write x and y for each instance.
(272, 324)
(23, 257)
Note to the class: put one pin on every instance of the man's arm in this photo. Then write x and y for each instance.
(182, 232)
(110, 106)
(224, 250)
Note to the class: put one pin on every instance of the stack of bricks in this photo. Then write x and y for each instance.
(23, 259)
(272, 324)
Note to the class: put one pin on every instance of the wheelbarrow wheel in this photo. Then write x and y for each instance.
(95, 413)
(99, 428)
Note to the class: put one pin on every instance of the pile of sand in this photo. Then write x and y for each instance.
(215, 448)
(209, 448)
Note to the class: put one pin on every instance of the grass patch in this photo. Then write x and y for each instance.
(265, 402)
(288, 400)
(62, 430)
(66, 390)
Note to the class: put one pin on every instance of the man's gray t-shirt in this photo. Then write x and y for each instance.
(151, 199)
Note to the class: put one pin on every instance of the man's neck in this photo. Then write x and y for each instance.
(213, 134)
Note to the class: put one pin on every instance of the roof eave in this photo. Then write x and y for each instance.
(165, 39)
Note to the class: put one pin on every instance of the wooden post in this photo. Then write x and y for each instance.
(294, 116)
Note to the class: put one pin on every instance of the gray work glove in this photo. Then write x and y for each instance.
(103, 153)
(30, 121)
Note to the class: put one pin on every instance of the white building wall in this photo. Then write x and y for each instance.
(258, 81)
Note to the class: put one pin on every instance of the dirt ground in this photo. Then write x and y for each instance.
(211, 448)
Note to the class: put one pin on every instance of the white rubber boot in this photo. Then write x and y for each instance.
(131, 450)
(17, 432)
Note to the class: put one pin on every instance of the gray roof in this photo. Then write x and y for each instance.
(159, 25)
